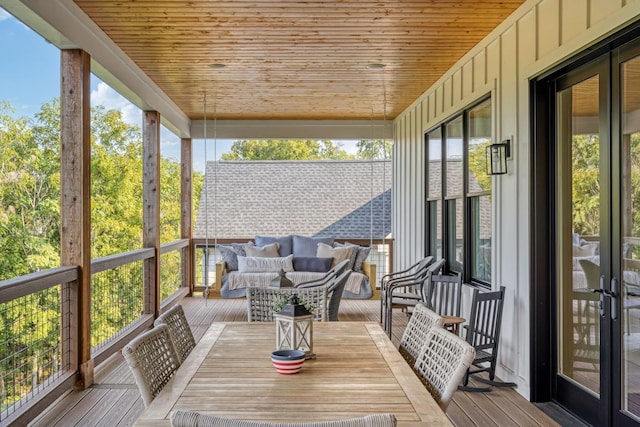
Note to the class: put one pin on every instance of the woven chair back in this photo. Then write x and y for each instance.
(263, 302)
(181, 418)
(415, 334)
(181, 333)
(442, 363)
(153, 360)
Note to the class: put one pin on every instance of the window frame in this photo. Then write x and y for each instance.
(440, 222)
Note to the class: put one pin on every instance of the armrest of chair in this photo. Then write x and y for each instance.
(370, 271)
(221, 270)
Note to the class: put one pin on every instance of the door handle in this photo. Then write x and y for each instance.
(613, 294)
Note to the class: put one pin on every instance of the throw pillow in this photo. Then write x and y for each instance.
(352, 257)
(312, 264)
(248, 264)
(584, 250)
(363, 254)
(268, 251)
(230, 254)
(304, 246)
(285, 248)
(338, 254)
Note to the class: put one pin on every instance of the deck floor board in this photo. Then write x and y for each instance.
(114, 399)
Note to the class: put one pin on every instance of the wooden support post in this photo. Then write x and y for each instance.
(186, 202)
(75, 212)
(151, 208)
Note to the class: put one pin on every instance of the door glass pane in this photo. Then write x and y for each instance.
(630, 184)
(578, 219)
(454, 234)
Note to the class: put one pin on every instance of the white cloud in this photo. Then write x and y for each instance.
(104, 95)
(4, 14)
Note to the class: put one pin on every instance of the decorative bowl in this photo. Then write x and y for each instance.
(288, 362)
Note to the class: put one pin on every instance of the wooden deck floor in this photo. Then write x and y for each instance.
(114, 399)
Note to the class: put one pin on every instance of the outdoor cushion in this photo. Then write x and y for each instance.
(304, 246)
(263, 265)
(230, 254)
(359, 255)
(312, 264)
(338, 254)
(285, 248)
(267, 251)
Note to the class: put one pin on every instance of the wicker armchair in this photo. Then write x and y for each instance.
(194, 419)
(153, 359)
(334, 272)
(261, 301)
(442, 363)
(335, 289)
(181, 333)
(415, 334)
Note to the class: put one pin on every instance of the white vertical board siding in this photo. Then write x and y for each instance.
(538, 36)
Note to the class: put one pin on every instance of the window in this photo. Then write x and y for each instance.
(458, 201)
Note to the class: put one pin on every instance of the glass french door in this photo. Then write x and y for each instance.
(597, 218)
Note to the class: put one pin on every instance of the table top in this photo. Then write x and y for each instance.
(358, 371)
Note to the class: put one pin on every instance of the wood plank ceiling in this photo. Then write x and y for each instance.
(290, 59)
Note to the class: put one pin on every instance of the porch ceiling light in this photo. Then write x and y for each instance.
(497, 157)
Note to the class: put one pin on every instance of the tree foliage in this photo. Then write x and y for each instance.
(374, 149)
(285, 149)
(30, 233)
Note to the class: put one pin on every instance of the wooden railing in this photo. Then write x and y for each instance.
(39, 343)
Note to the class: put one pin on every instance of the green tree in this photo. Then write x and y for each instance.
(285, 149)
(377, 149)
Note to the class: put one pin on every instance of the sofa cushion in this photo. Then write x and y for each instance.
(230, 254)
(286, 245)
(338, 254)
(266, 251)
(361, 253)
(312, 264)
(304, 246)
(250, 264)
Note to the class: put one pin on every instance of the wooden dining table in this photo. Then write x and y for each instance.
(357, 371)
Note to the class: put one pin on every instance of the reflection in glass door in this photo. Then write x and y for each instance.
(630, 242)
(578, 219)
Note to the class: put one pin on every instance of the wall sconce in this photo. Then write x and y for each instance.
(497, 155)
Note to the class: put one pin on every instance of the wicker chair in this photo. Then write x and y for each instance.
(181, 418)
(262, 301)
(153, 359)
(181, 333)
(442, 363)
(335, 290)
(415, 334)
(334, 272)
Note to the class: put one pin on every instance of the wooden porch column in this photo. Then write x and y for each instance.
(151, 208)
(186, 196)
(75, 195)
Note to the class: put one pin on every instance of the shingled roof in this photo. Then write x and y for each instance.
(341, 199)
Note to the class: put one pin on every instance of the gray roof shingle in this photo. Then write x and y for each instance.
(342, 199)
